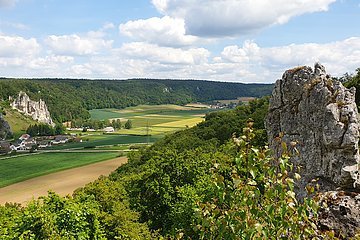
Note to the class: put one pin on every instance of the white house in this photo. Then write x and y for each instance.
(109, 129)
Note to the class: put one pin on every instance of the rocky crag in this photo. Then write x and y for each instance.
(36, 110)
(5, 130)
(317, 118)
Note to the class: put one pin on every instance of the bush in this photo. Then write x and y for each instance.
(254, 198)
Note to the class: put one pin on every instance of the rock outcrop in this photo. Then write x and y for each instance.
(5, 130)
(37, 110)
(318, 116)
(340, 212)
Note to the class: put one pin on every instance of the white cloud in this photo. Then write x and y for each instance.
(165, 31)
(12, 46)
(216, 18)
(81, 70)
(248, 62)
(167, 55)
(75, 45)
(7, 3)
(49, 62)
(267, 64)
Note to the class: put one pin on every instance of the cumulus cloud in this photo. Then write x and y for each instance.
(13, 46)
(216, 18)
(248, 62)
(166, 55)
(339, 57)
(165, 31)
(76, 45)
(7, 3)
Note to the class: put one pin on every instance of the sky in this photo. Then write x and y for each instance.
(249, 41)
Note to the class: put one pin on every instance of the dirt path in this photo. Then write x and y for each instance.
(63, 183)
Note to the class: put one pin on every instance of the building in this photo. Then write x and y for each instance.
(109, 129)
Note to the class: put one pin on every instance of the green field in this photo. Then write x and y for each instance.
(154, 119)
(150, 123)
(21, 168)
(97, 140)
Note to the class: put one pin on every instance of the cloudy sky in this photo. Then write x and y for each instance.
(224, 40)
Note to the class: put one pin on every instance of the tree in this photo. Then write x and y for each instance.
(59, 129)
(254, 198)
(116, 124)
(128, 124)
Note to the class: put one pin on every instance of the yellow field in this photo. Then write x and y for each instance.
(181, 123)
(154, 119)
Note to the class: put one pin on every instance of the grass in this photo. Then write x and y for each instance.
(17, 121)
(91, 141)
(181, 123)
(21, 168)
(154, 119)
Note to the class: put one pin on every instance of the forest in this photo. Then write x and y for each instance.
(213, 181)
(70, 99)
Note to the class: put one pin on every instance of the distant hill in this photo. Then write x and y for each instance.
(69, 99)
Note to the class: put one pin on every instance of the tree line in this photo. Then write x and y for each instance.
(71, 99)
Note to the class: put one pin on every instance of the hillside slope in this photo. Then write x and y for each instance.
(72, 98)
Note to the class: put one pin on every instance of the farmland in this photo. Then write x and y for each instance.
(150, 123)
(71, 179)
(98, 140)
(18, 169)
(153, 119)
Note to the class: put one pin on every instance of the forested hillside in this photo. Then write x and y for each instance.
(213, 181)
(71, 99)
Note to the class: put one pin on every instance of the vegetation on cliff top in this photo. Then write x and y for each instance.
(200, 183)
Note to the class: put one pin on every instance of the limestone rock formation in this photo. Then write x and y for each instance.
(318, 116)
(5, 130)
(37, 110)
(340, 212)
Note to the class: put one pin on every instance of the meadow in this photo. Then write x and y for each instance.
(150, 123)
(154, 119)
(21, 168)
(18, 122)
(98, 140)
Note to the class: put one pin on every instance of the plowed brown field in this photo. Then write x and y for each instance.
(63, 183)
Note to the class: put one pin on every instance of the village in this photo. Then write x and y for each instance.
(26, 143)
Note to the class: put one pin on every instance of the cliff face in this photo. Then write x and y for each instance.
(5, 130)
(37, 110)
(318, 116)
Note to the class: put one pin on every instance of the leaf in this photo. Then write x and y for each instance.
(252, 172)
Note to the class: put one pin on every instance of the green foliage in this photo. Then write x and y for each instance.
(59, 129)
(193, 184)
(83, 95)
(354, 82)
(116, 124)
(52, 217)
(115, 216)
(40, 130)
(128, 124)
(221, 125)
(254, 198)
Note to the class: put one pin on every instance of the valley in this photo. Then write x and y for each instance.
(149, 124)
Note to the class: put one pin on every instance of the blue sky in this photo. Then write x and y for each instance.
(224, 40)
